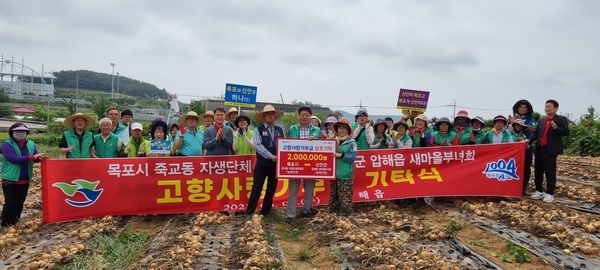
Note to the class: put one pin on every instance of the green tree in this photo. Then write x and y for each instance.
(71, 106)
(288, 120)
(5, 110)
(40, 113)
(3, 96)
(99, 107)
(197, 106)
(536, 116)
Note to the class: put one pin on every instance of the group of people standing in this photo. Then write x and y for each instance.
(219, 132)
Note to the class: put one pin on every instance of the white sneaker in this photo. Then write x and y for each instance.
(537, 195)
(548, 198)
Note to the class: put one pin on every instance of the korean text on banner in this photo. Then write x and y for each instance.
(478, 170)
(74, 189)
(306, 159)
(413, 100)
(240, 95)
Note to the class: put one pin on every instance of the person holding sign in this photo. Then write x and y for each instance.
(363, 131)
(106, 144)
(265, 139)
(420, 132)
(162, 147)
(218, 138)
(340, 201)
(242, 137)
(303, 130)
(77, 141)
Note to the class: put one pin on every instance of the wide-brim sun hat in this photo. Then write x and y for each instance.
(443, 120)
(500, 118)
(478, 119)
(380, 121)
(318, 120)
(232, 110)
(89, 121)
(523, 101)
(362, 111)
(519, 122)
(401, 122)
(189, 114)
(343, 122)
(260, 116)
(331, 120)
(421, 117)
(239, 118)
(405, 112)
(462, 113)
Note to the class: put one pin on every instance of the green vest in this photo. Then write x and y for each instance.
(242, 146)
(416, 137)
(403, 140)
(438, 138)
(314, 131)
(120, 128)
(506, 135)
(82, 151)
(465, 137)
(345, 170)
(134, 148)
(11, 171)
(108, 149)
(361, 141)
(481, 137)
(384, 144)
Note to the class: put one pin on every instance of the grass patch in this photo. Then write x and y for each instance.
(479, 243)
(270, 238)
(305, 254)
(116, 251)
(289, 234)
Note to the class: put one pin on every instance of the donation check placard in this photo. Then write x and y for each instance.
(306, 159)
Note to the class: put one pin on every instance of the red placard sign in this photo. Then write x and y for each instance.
(478, 170)
(74, 189)
(306, 159)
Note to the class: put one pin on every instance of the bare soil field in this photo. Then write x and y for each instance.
(446, 233)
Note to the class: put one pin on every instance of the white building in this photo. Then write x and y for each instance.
(19, 79)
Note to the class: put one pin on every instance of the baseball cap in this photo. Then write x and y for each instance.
(135, 126)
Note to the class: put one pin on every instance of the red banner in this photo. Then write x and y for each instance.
(74, 189)
(306, 159)
(477, 170)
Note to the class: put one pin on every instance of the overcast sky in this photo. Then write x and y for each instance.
(485, 55)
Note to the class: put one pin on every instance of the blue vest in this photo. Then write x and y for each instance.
(268, 143)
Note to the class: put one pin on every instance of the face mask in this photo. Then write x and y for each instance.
(462, 122)
(20, 135)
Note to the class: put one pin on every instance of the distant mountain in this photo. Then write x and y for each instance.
(374, 117)
(91, 80)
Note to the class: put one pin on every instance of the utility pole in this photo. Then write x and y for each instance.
(454, 105)
(112, 84)
(77, 91)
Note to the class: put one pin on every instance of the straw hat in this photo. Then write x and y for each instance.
(405, 111)
(192, 114)
(260, 116)
(232, 110)
(519, 122)
(89, 121)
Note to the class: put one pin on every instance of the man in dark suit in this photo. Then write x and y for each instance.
(548, 139)
(218, 138)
